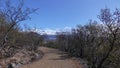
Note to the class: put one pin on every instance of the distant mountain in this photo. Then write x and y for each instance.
(50, 37)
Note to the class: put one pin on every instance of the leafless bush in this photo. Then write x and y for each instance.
(97, 43)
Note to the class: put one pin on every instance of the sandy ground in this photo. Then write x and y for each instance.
(54, 58)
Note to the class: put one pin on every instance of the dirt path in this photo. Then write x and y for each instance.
(53, 58)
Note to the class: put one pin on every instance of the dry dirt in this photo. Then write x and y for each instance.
(54, 58)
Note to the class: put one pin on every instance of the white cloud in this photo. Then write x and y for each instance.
(67, 29)
(51, 31)
(45, 31)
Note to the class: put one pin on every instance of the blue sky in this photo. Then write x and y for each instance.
(60, 14)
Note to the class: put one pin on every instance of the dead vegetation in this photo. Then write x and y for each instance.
(98, 43)
(17, 47)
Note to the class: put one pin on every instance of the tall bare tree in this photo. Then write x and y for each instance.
(12, 15)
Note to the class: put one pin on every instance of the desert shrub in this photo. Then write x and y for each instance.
(98, 43)
(11, 36)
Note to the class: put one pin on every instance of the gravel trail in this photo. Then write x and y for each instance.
(54, 58)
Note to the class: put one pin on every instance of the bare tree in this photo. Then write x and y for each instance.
(111, 22)
(12, 15)
(98, 43)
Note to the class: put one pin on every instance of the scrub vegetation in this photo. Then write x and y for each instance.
(13, 40)
(98, 42)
